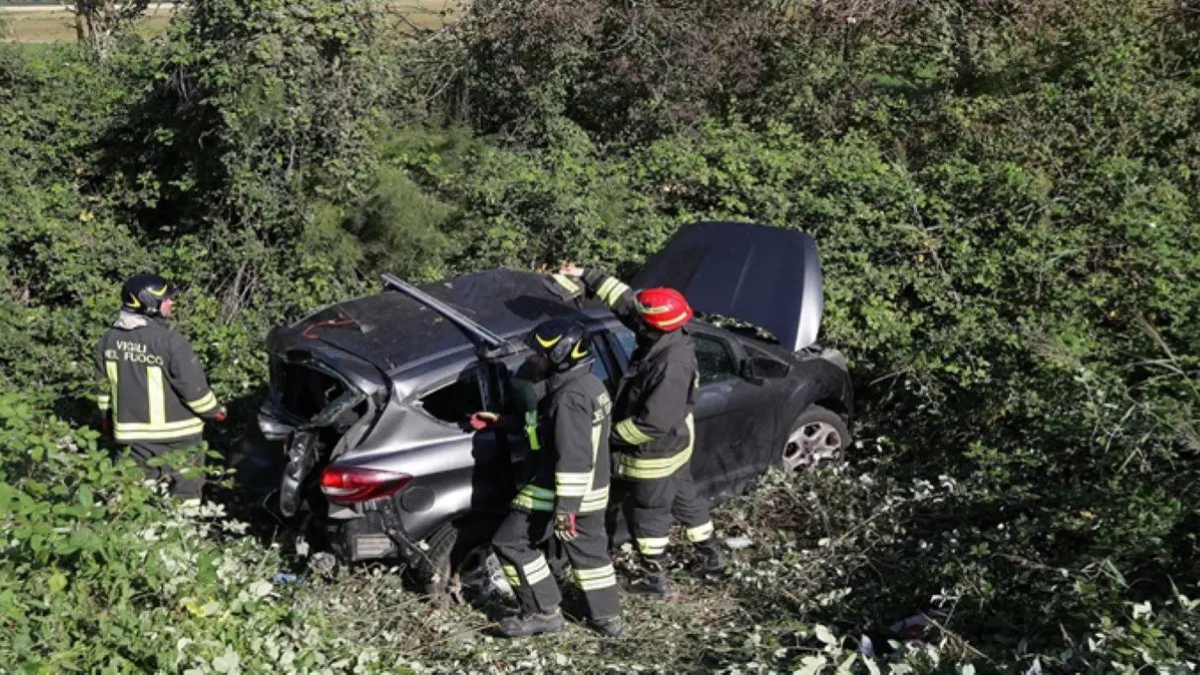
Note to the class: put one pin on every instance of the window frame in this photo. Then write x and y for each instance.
(620, 353)
(602, 348)
(730, 354)
(475, 371)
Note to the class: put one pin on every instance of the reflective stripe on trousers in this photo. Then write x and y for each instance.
(700, 533)
(127, 432)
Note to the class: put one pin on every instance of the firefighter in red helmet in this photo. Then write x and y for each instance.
(653, 431)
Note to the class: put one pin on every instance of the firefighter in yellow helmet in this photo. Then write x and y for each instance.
(568, 492)
(152, 391)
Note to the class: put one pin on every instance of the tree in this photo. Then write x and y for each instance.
(98, 23)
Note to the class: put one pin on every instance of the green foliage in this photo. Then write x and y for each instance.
(100, 24)
(619, 70)
(400, 227)
(257, 113)
(520, 209)
(100, 573)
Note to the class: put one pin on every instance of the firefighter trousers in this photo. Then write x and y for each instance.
(653, 505)
(186, 481)
(519, 544)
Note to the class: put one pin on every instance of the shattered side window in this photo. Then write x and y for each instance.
(713, 359)
(526, 389)
(454, 402)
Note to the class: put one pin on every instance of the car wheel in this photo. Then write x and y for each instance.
(818, 434)
(432, 570)
(461, 570)
(479, 579)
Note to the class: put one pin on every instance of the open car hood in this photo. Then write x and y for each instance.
(766, 276)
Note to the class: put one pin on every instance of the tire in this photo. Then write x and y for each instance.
(460, 568)
(433, 570)
(817, 435)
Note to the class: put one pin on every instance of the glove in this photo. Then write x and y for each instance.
(483, 420)
(564, 526)
(221, 415)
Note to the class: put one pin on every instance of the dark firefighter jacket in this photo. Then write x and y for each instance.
(151, 380)
(653, 431)
(568, 434)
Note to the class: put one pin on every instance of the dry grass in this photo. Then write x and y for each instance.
(424, 14)
(50, 27)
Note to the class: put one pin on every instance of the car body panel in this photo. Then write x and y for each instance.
(767, 276)
(739, 418)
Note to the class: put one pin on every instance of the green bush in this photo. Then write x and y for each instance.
(622, 72)
(400, 228)
(99, 572)
(517, 208)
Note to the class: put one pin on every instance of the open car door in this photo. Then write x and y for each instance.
(766, 276)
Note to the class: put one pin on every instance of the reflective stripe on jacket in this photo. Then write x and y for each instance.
(150, 379)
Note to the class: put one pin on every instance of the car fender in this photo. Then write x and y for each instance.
(820, 381)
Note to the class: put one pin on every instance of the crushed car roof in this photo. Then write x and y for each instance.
(390, 329)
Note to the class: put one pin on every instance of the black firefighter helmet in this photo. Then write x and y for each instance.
(564, 341)
(144, 293)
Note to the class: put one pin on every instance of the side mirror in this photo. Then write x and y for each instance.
(756, 369)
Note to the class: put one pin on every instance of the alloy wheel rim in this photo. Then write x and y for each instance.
(810, 445)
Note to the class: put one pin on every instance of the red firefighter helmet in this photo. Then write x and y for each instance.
(663, 309)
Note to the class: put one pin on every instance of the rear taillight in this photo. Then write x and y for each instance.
(353, 484)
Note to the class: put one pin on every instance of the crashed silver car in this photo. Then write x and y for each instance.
(366, 424)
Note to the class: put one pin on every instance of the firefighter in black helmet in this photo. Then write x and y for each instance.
(568, 493)
(152, 391)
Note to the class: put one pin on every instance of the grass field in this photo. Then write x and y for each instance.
(59, 26)
(35, 27)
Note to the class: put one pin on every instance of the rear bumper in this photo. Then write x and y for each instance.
(365, 537)
(374, 535)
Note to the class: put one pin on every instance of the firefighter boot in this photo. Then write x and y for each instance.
(531, 624)
(608, 626)
(653, 583)
(710, 558)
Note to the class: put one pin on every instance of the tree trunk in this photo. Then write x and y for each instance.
(80, 26)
